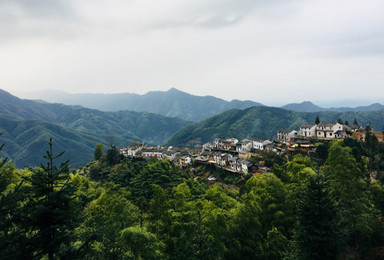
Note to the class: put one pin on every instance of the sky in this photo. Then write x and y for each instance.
(272, 52)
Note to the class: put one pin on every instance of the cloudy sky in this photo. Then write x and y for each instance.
(273, 51)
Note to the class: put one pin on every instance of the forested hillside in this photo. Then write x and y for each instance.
(76, 128)
(329, 205)
(264, 122)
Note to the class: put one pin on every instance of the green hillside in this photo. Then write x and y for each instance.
(27, 126)
(26, 141)
(264, 122)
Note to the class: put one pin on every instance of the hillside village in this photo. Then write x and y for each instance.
(234, 155)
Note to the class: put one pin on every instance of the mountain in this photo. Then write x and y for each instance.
(264, 122)
(372, 107)
(27, 140)
(84, 125)
(171, 103)
(305, 106)
(308, 106)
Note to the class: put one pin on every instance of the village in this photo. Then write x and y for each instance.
(233, 155)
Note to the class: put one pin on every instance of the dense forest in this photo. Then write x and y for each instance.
(324, 205)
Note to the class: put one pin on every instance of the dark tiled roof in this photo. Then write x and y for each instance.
(285, 131)
(326, 124)
(307, 126)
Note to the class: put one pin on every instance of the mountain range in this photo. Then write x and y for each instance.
(27, 125)
(174, 103)
(171, 103)
(25, 122)
(308, 106)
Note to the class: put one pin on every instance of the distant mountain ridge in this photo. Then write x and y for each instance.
(308, 106)
(171, 103)
(85, 127)
(174, 103)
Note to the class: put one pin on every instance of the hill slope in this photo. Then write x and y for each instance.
(264, 122)
(27, 140)
(171, 103)
(305, 106)
(87, 127)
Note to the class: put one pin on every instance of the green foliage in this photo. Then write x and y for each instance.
(262, 122)
(51, 211)
(163, 173)
(27, 125)
(319, 207)
(317, 232)
(98, 151)
(107, 217)
(140, 244)
(350, 189)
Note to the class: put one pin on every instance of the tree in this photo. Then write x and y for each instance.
(346, 122)
(52, 211)
(12, 196)
(350, 190)
(316, 228)
(113, 156)
(317, 121)
(98, 151)
(140, 243)
(355, 122)
(107, 217)
(339, 121)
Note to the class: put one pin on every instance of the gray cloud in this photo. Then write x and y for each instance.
(229, 48)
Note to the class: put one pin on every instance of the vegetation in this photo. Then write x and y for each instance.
(27, 125)
(264, 122)
(326, 206)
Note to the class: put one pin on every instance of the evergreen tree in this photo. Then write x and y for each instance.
(12, 236)
(317, 121)
(316, 228)
(52, 211)
(355, 122)
(350, 190)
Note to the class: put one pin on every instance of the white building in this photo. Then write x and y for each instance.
(308, 130)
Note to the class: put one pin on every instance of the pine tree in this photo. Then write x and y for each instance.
(316, 228)
(317, 121)
(52, 210)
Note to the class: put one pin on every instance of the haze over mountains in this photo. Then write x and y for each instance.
(27, 125)
(173, 103)
(308, 106)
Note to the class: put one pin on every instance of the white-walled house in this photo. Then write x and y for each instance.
(286, 135)
(308, 130)
(225, 143)
(244, 146)
(327, 130)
